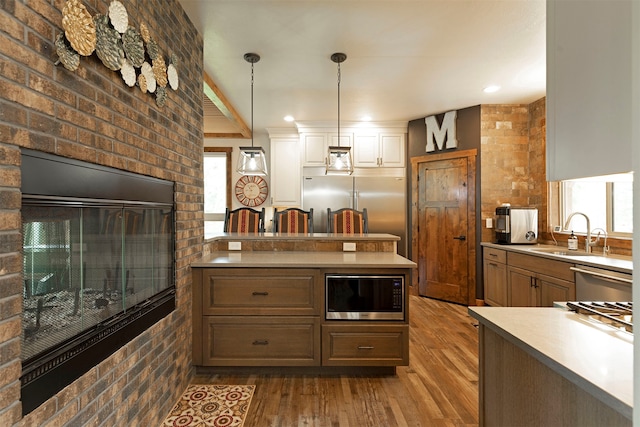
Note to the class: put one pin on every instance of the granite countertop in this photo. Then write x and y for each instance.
(623, 264)
(267, 259)
(595, 357)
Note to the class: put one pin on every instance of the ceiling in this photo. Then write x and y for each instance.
(406, 59)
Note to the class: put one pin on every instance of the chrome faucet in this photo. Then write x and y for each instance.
(588, 243)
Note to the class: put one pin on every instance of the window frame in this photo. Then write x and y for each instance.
(563, 214)
(227, 151)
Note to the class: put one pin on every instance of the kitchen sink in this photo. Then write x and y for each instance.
(560, 251)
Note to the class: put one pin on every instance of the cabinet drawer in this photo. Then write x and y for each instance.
(286, 292)
(558, 269)
(261, 341)
(369, 345)
(492, 254)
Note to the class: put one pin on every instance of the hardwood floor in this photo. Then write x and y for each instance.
(438, 388)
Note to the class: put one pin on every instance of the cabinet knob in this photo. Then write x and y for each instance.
(461, 238)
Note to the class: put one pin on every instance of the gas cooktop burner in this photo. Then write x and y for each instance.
(617, 314)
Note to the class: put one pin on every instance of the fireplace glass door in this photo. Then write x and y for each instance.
(88, 264)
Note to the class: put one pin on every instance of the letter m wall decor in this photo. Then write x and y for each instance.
(443, 136)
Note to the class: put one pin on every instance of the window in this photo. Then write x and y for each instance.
(217, 194)
(607, 201)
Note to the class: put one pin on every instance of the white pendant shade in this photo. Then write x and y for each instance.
(252, 161)
(339, 162)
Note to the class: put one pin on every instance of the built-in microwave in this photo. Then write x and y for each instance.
(364, 297)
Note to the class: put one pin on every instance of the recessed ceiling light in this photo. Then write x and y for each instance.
(366, 118)
(491, 89)
(288, 118)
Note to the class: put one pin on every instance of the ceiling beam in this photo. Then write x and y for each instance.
(216, 96)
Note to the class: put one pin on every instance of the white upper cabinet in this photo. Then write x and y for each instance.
(285, 172)
(374, 145)
(379, 149)
(366, 151)
(314, 148)
(315, 145)
(392, 149)
(589, 88)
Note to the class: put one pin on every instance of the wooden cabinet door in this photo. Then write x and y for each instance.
(495, 283)
(529, 289)
(551, 290)
(521, 291)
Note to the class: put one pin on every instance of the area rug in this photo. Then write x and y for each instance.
(211, 405)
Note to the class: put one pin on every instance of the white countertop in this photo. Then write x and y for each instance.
(595, 357)
(619, 263)
(304, 259)
(299, 236)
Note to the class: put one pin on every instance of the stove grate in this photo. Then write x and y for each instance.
(618, 314)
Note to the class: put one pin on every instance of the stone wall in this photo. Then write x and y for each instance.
(505, 156)
(537, 161)
(91, 115)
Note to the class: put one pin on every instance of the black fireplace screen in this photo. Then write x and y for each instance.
(85, 265)
(98, 266)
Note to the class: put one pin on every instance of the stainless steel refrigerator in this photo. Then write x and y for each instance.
(384, 197)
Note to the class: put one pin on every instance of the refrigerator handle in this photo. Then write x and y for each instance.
(355, 200)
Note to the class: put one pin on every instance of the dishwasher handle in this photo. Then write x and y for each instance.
(602, 275)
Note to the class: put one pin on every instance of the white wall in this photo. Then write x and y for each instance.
(635, 152)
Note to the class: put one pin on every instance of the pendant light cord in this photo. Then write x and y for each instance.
(339, 78)
(252, 105)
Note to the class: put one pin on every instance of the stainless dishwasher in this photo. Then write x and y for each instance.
(597, 284)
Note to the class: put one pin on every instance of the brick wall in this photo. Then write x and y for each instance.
(91, 115)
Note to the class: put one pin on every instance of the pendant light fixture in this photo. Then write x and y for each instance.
(252, 160)
(339, 158)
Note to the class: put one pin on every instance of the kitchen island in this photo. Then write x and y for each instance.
(549, 366)
(265, 305)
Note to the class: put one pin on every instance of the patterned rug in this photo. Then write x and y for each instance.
(211, 405)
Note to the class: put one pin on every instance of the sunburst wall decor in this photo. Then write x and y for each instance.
(120, 47)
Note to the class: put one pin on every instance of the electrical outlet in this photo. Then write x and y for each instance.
(489, 222)
(235, 246)
(557, 228)
(348, 246)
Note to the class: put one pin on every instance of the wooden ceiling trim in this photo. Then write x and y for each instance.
(216, 96)
(224, 135)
